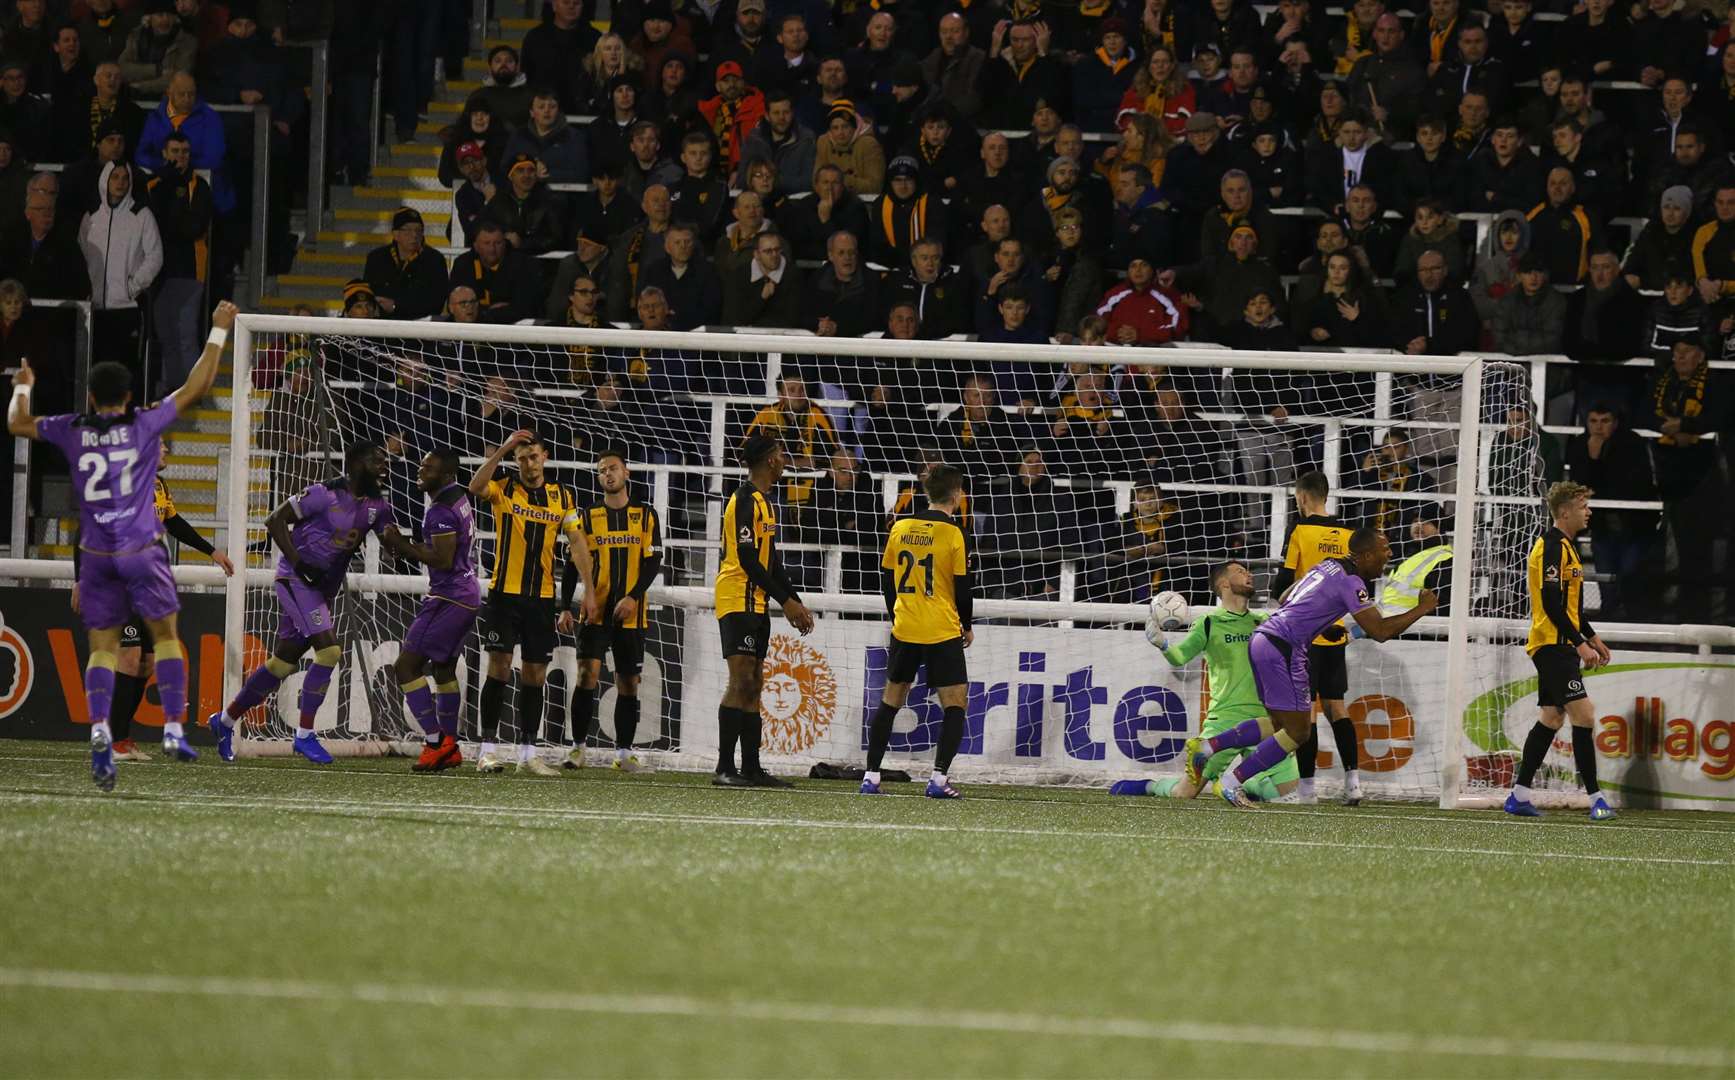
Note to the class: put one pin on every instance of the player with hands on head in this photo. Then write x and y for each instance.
(749, 576)
(319, 533)
(114, 451)
(617, 551)
(437, 636)
(1328, 592)
(925, 577)
(1223, 636)
(531, 514)
(1563, 646)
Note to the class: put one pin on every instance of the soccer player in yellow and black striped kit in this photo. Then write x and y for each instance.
(531, 514)
(925, 575)
(749, 576)
(1314, 538)
(618, 555)
(1563, 646)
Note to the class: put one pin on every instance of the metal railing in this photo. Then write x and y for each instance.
(82, 335)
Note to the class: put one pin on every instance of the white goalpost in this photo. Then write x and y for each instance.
(1135, 471)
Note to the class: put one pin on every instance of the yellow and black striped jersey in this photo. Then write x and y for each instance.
(527, 528)
(1556, 580)
(925, 556)
(750, 531)
(165, 503)
(625, 549)
(1312, 540)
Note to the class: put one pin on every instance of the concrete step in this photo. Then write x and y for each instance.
(420, 150)
(383, 215)
(338, 238)
(415, 174)
(332, 260)
(433, 195)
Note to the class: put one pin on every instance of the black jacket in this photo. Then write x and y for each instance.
(417, 288)
(52, 270)
(515, 284)
(183, 211)
(1446, 319)
(1614, 333)
(942, 307)
(695, 297)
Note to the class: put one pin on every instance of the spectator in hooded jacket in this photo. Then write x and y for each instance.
(1678, 313)
(183, 207)
(124, 254)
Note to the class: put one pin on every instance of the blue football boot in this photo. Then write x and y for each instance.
(868, 787)
(102, 760)
(1600, 810)
(175, 748)
(937, 790)
(1130, 787)
(310, 749)
(1519, 808)
(225, 732)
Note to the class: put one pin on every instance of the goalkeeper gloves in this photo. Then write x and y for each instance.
(310, 574)
(1154, 632)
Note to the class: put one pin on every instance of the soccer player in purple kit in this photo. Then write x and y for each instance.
(436, 637)
(1328, 592)
(114, 451)
(319, 531)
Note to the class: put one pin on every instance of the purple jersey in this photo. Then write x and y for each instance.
(1324, 595)
(332, 523)
(114, 473)
(450, 512)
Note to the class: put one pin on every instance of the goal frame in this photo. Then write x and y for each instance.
(1468, 368)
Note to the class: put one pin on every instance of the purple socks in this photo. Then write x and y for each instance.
(1266, 755)
(446, 704)
(1246, 733)
(99, 692)
(172, 685)
(257, 687)
(420, 699)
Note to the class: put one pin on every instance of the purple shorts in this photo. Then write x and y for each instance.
(305, 610)
(440, 629)
(1280, 674)
(113, 588)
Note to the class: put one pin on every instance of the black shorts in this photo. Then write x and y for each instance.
(943, 659)
(525, 622)
(596, 639)
(1559, 682)
(1327, 671)
(744, 634)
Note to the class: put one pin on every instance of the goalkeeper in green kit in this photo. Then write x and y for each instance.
(1222, 635)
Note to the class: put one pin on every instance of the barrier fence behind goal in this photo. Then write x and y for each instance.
(1095, 477)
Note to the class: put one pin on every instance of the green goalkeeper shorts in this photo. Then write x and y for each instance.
(1284, 772)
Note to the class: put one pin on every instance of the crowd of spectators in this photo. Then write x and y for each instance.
(1135, 173)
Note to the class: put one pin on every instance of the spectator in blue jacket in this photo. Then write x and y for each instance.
(182, 111)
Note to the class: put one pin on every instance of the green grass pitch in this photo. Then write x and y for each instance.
(269, 918)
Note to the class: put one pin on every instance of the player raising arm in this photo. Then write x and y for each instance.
(1223, 635)
(113, 451)
(443, 623)
(1325, 594)
(925, 575)
(749, 577)
(129, 685)
(319, 531)
(1563, 646)
(617, 551)
(531, 513)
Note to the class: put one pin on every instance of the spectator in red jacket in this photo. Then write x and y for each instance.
(1141, 312)
(733, 113)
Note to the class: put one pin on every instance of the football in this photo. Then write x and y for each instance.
(1170, 609)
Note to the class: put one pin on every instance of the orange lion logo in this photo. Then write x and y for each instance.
(799, 696)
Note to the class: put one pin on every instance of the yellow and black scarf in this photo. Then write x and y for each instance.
(1352, 46)
(1685, 398)
(587, 362)
(1438, 38)
(1115, 66)
(915, 223)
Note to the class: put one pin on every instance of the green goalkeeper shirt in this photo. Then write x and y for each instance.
(1223, 636)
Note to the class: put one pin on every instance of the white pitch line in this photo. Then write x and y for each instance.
(993, 1022)
(1485, 819)
(391, 809)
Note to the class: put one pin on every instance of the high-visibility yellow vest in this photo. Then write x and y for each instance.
(1403, 589)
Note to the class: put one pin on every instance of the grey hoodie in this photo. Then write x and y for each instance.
(1497, 270)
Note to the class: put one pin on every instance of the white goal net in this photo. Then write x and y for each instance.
(1095, 477)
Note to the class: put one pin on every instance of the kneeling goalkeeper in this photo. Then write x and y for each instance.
(1223, 635)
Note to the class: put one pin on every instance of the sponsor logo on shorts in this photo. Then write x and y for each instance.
(1575, 686)
(799, 699)
(748, 641)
